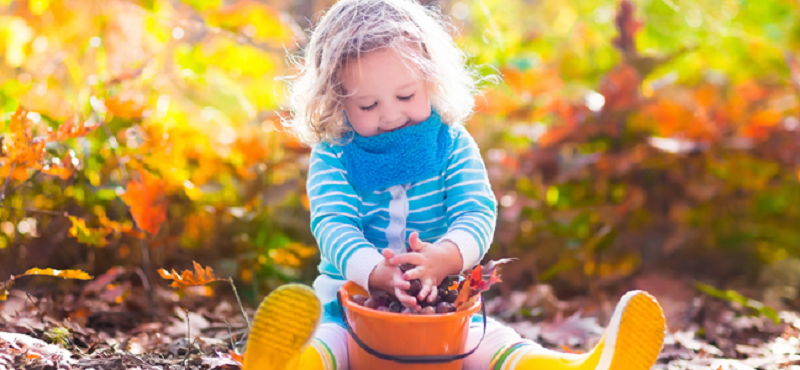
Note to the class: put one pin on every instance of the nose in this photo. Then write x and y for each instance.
(390, 115)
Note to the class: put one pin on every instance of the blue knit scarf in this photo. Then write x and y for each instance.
(402, 156)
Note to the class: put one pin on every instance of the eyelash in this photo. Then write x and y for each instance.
(402, 98)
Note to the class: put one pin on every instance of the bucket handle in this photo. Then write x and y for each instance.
(409, 359)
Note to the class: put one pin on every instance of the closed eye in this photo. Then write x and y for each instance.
(371, 107)
(401, 98)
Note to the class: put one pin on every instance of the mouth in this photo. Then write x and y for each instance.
(408, 123)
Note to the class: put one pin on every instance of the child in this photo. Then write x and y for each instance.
(383, 94)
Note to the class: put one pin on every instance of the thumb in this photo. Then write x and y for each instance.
(416, 244)
(388, 254)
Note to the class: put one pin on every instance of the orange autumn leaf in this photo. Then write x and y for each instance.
(570, 350)
(465, 294)
(23, 150)
(236, 357)
(71, 129)
(621, 88)
(187, 278)
(147, 202)
(19, 145)
(534, 81)
(765, 118)
(126, 105)
(761, 124)
(20, 173)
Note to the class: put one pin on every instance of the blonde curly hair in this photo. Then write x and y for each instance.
(351, 28)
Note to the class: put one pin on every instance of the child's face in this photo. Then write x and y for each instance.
(386, 94)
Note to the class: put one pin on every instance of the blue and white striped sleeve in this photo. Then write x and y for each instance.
(471, 204)
(335, 221)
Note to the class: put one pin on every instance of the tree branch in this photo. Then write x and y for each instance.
(3, 192)
(64, 214)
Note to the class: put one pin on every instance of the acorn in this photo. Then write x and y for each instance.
(395, 306)
(416, 287)
(370, 303)
(444, 307)
(451, 296)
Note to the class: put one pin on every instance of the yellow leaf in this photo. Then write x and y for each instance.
(264, 20)
(86, 235)
(4, 288)
(66, 274)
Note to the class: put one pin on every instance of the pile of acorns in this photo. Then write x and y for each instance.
(385, 302)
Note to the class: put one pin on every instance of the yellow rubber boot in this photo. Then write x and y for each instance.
(632, 341)
(282, 329)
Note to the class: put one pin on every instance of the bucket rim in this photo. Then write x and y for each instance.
(348, 303)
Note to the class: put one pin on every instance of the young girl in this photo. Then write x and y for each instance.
(382, 97)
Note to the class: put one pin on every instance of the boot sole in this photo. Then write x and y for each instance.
(283, 326)
(639, 334)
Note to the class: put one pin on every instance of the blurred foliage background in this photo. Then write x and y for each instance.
(625, 138)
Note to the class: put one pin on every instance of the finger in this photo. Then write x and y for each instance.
(399, 282)
(412, 258)
(388, 254)
(405, 299)
(426, 288)
(433, 295)
(412, 274)
(416, 244)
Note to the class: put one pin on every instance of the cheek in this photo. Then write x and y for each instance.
(359, 120)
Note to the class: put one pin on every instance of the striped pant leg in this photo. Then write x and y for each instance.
(328, 349)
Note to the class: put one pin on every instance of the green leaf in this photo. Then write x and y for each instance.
(202, 5)
(734, 296)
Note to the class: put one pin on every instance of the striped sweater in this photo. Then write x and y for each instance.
(352, 228)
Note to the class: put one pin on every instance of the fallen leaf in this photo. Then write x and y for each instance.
(66, 274)
(187, 278)
(573, 331)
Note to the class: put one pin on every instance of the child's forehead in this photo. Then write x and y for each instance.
(379, 71)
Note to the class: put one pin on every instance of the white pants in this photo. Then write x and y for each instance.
(334, 337)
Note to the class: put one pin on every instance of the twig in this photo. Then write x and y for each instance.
(188, 340)
(188, 327)
(247, 320)
(3, 193)
(146, 267)
(230, 332)
(41, 313)
(26, 181)
(63, 214)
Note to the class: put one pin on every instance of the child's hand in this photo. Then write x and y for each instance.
(388, 277)
(433, 263)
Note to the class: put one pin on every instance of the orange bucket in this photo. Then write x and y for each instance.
(394, 341)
